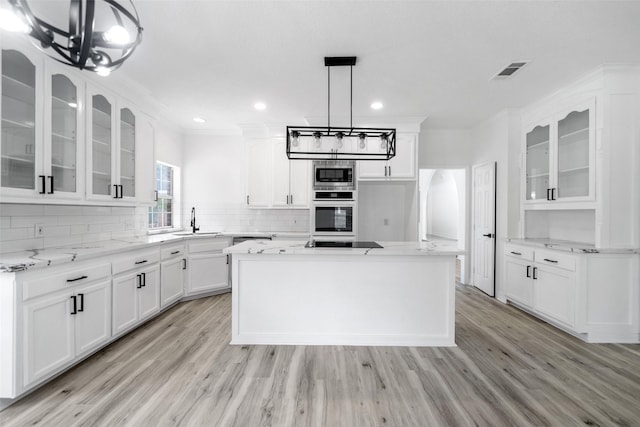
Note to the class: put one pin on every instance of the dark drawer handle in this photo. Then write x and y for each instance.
(141, 262)
(528, 271)
(551, 260)
(75, 305)
(76, 279)
(535, 273)
(175, 252)
(139, 280)
(81, 302)
(516, 253)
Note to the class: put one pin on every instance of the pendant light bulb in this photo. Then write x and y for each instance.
(294, 138)
(12, 21)
(117, 35)
(317, 136)
(384, 141)
(363, 141)
(339, 138)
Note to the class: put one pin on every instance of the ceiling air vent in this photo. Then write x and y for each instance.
(509, 70)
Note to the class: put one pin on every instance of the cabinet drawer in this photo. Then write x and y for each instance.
(560, 260)
(520, 252)
(171, 251)
(210, 245)
(54, 279)
(135, 259)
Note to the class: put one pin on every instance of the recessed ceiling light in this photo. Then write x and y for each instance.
(259, 106)
(377, 105)
(199, 120)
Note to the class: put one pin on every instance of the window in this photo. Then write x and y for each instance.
(162, 214)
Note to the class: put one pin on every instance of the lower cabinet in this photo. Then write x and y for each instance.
(592, 295)
(172, 269)
(207, 266)
(136, 296)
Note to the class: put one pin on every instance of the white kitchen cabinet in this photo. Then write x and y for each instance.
(172, 274)
(560, 158)
(401, 167)
(291, 184)
(101, 146)
(274, 181)
(136, 289)
(207, 267)
(62, 320)
(591, 295)
(41, 130)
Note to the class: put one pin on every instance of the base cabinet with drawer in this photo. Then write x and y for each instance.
(595, 296)
(136, 289)
(207, 267)
(172, 268)
(50, 318)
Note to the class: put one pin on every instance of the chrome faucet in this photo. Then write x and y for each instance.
(193, 221)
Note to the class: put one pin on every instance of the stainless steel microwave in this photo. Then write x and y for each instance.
(334, 174)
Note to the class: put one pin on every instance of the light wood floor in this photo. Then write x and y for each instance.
(509, 369)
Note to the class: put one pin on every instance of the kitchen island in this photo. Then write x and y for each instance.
(284, 293)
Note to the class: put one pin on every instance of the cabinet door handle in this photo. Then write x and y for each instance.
(535, 273)
(81, 302)
(551, 260)
(389, 170)
(247, 199)
(184, 263)
(141, 262)
(287, 199)
(227, 259)
(528, 271)
(115, 190)
(144, 279)
(291, 199)
(75, 305)
(50, 185)
(516, 253)
(76, 279)
(548, 194)
(175, 252)
(553, 193)
(42, 184)
(488, 235)
(139, 280)
(155, 197)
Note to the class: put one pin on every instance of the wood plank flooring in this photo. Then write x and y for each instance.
(509, 369)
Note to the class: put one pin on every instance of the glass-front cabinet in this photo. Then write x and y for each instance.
(21, 125)
(127, 153)
(100, 141)
(41, 155)
(560, 158)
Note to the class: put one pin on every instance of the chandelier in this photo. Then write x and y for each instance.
(102, 34)
(340, 143)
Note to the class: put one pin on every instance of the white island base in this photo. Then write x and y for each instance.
(285, 294)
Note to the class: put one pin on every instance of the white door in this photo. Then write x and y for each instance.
(403, 165)
(93, 321)
(149, 293)
(207, 272)
(484, 227)
(171, 281)
(125, 302)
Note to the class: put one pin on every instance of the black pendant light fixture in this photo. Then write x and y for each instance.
(340, 143)
(102, 34)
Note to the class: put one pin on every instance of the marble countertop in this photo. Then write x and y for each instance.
(39, 258)
(569, 246)
(285, 247)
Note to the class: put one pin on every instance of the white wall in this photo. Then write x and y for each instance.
(442, 206)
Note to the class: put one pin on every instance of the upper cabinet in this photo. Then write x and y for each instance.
(274, 181)
(66, 141)
(560, 159)
(401, 167)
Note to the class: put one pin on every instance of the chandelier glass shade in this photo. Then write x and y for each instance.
(101, 34)
(340, 143)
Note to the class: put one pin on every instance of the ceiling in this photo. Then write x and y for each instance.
(430, 60)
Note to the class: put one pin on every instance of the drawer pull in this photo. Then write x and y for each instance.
(175, 252)
(551, 260)
(516, 253)
(76, 279)
(141, 262)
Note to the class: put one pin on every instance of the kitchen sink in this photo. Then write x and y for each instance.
(203, 233)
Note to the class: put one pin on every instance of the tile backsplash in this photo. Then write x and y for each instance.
(66, 225)
(237, 218)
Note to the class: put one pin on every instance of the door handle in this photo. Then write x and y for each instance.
(389, 170)
(42, 184)
(184, 263)
(528, 271)
(535, 273)
(144, 279)
(291, 199)
(488, 235)
(115, 189)
(75, 305)
(227, 259)
(139, 279)
(81, 302)
(50, 185)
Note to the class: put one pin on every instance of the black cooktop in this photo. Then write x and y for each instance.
(338, 244)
